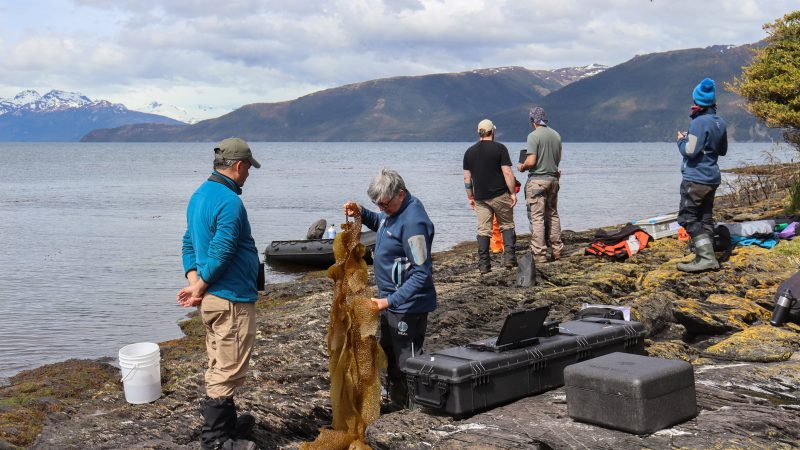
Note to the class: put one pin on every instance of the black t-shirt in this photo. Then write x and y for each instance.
(484, 160)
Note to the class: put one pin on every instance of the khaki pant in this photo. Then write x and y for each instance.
(230, 334)
(499, 206)
(542, 198)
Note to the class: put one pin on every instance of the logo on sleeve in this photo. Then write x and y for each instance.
(419, 249)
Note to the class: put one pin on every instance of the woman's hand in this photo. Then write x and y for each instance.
(351, 209)
(381, 303)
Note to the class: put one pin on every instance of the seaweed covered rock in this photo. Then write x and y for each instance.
(743, 415)
(762, 343)
(715, 320)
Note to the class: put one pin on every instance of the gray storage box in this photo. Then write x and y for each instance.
(633, 393)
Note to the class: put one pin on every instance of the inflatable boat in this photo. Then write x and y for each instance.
(313, 252)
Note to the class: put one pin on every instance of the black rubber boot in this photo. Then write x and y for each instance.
(705, 259)
(219, 423)
(484, 255)
(509, 248)
(398, 394)
(244, 424)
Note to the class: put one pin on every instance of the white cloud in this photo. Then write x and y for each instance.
(203, 52)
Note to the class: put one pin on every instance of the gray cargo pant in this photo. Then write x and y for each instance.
(541, 196)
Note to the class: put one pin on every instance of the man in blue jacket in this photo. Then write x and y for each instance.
(220, 261)
(706, 140)
(403, 272)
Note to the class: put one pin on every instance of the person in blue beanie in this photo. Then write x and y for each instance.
(403, 272)
(701, 146)
(220, 261)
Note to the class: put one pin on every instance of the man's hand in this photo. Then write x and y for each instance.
(681, 135)
(381, 303)
(471, 203)
(351, 209)
(192, 295)
(513, 199)
(520, 167)
(186, 301)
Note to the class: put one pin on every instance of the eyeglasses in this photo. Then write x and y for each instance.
(384, 205)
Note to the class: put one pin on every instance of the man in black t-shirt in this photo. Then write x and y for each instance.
(490, 189)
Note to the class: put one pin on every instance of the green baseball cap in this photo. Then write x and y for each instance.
(235, 149)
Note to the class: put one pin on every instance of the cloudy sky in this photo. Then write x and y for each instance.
(223, 54)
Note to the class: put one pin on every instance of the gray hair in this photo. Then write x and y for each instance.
(386, 184)
(222, 163)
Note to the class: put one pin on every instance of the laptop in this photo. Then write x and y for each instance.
(520, 329)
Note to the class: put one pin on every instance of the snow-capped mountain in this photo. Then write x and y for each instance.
(573, 74)
(190, 116)
(30, 100)
(64, 116)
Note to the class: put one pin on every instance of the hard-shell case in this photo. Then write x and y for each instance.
(633, 393)
(461, 380)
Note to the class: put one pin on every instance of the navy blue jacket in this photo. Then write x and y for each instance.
(706, 141)
(218, 241)
(402, 259)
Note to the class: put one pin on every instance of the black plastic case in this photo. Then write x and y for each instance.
(633, 393)
(461, 381)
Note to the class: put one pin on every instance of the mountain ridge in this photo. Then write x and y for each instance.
(644, 99)
(54, 100)
(64, 116)
(399, 108)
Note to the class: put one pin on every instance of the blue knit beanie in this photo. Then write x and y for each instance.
(705, 94)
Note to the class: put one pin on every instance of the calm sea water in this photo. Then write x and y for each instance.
(91, 233)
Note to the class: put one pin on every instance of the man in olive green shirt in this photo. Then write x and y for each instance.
(541, 189)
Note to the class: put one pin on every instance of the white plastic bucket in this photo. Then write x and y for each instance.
(141, 372)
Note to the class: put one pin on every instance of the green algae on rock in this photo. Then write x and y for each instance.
(762, 343)
(35, 394)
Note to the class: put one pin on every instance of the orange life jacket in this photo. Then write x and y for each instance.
(623, 249)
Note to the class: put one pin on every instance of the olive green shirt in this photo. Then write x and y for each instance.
(545, 143)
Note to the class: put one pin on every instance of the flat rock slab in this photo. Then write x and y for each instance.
(741, 415)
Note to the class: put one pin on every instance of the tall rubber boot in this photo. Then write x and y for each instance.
(219, 422)
(704, 255)
(509, 248)
(484, 257)
(244, 424)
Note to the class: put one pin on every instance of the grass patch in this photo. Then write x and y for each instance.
(794, 198)
(789, 248)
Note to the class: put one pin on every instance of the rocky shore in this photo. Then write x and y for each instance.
(747, 372)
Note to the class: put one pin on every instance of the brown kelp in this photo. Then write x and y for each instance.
(355, 356)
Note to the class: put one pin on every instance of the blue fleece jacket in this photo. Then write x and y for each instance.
(402, 259)
(706, 141)
(218, 241)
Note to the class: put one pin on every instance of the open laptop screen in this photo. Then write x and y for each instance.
(522, 325)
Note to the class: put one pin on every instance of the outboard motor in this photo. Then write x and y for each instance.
(786, 305)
